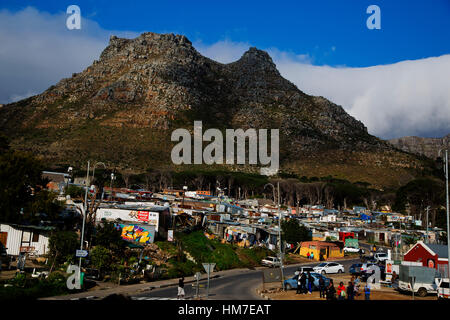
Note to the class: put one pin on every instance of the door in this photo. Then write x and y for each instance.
(333, 267)
(3, 238)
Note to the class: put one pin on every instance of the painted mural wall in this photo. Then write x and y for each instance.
(141, 234)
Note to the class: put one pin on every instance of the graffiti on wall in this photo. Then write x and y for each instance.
(136, 233)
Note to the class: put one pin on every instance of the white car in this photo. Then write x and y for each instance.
(271, 262)
(443, 289)
(329, 267)
(381, 256)
(352, 250)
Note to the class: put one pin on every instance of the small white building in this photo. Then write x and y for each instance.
(21, 238)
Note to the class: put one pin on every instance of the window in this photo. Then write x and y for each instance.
(35, 237)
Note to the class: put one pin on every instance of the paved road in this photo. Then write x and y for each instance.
(240, 286)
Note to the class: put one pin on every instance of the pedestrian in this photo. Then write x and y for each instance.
(350, 291)
(356, 285)
(310, 282)
(181, 288)
(308, 255)
(312, 255)
(360, 253)
(321, 287)
(341, 291)
(303, 283)
(367, 291)
(299, 284)
(331, 291)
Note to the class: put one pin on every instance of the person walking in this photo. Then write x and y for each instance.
(303, 283)
(367, 291)
(341, 291)
(331, 291)
(308, 255)
(310, 282)
(312, 255)
(350, 291)
(299, 284)
(321, 287)
(356, 285)
(181, 288)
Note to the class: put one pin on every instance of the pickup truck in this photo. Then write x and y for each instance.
(271, 262)
(381, 256)
(424, 279)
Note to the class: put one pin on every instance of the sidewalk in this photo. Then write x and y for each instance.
(134, 289)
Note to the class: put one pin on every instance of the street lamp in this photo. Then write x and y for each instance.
(279, 228)
(84, 215)
(113, 177)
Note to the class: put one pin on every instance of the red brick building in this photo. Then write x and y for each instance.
(430, 255)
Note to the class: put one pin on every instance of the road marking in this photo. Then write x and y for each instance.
(152, 298)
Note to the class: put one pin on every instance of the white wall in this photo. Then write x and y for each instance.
(13, 241)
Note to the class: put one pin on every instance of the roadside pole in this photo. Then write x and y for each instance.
(209, 267)
(448, 216)
(428, 208)
(279, 236)
(84, 217)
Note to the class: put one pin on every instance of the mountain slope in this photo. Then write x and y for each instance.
(123, 108)
(428, 147)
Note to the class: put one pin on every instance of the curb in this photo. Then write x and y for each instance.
(263, 295)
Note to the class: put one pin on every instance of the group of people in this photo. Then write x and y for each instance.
(310, 255)
(305, 284)
(349, 293)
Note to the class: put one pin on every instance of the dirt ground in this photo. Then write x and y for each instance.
(384, 293)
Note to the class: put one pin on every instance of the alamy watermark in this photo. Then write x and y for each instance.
(74, 20)
(214, 151)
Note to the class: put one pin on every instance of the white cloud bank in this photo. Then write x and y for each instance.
(406, 98)
(37, 50)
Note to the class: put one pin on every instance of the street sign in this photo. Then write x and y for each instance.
(81, 253)
(209, 267)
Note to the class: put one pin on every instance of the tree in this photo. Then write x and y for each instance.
(293, 232)
(101, 258)
(20, 179)
(108, 236)
(62, 245)
(44, 203)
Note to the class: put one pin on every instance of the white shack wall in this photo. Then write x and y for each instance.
(13, 240)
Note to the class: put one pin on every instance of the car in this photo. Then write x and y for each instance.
(365, 275)
(304, 269)
(443, 290)
(271, 262)
(355, 269)
(351, 250)
(329, 267)
(292, 282)
(381, 256)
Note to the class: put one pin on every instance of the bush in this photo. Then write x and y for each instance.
(101, 258)
(63, 245)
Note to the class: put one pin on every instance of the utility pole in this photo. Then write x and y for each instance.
(428, 208)
(84, 215)
(448, 215)
(279, 236)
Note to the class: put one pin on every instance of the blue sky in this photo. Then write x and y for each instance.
(395, 80)
(410, 29)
